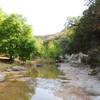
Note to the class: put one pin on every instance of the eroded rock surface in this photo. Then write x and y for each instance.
(81, 86)
(2, 77)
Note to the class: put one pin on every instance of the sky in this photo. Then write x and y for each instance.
(45, 16)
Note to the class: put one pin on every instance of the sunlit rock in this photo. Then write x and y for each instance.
(76, 58)
(2, 77)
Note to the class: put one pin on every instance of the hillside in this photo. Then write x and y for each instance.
(61, 34)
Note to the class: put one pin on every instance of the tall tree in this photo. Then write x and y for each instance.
(13, 28)
(26, 49)
(87, 35)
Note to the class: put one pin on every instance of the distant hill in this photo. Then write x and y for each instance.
(53, 36)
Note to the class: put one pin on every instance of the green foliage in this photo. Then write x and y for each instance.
(63, 45)
(86, 34)
(16, 40)
(93, 58)
(53, 50)
(39, 47)
(14, 26)
(26, 49)
(16, 37)
(47, 71)
(9, 47)
(2, 16)
(71, 24)
(80, 34)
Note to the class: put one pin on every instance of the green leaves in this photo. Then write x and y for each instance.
(87, 33)
(16, 37)
(2, 16)
(14, 26)
(52, 50)
(26, 49)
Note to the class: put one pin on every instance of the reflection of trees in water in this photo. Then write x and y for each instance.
(49, 71)
(16, 91)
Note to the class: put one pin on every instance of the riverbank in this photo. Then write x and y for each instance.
(80, 85)
(30, 82)
(74, 84)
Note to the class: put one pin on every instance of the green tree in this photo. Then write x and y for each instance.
(2, 17)
(86, 35)
(53, 50)
(39, 45)
(26, 49)
(12, 29)
(71, 24)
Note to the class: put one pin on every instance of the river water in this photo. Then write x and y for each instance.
(48, 83)
(41, 85)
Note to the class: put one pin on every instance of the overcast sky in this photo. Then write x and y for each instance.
(46, 16)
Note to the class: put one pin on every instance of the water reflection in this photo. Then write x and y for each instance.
(40, 87)
(16, 91)
(43, 89)
(47, 71)
(44, 94)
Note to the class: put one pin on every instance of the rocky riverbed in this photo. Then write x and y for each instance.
(74, 84)
(80, 85)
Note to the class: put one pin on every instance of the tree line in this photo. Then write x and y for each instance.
(81, 34)
(18, 41)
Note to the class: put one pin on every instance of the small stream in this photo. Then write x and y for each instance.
(41, 85)
(45, 89)
(49, 83)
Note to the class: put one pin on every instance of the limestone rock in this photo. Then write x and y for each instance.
(18, 68)
(2, 77)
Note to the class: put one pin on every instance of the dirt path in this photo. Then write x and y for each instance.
(80, 85)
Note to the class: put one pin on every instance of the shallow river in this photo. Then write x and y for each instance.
(48, 83)
(41, 86)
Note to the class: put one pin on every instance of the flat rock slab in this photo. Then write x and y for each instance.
(80, 80)
(18, 68)
(2, 77)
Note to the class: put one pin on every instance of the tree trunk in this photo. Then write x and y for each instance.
(11, 58)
